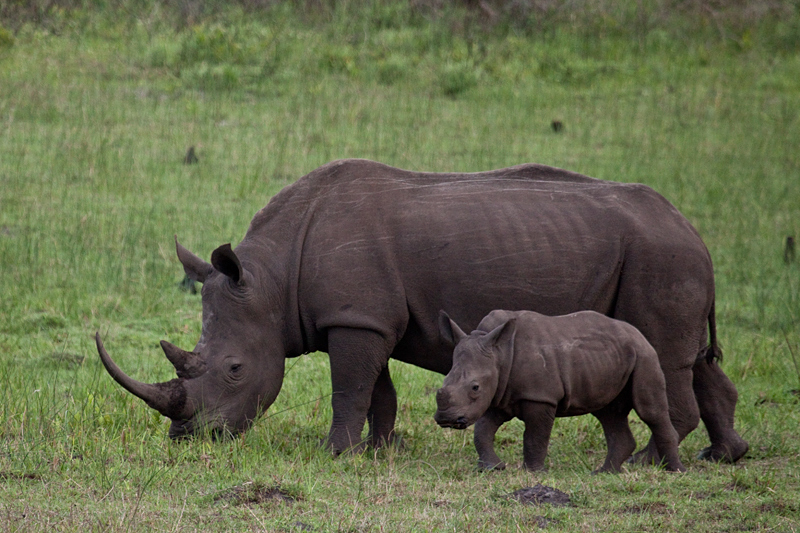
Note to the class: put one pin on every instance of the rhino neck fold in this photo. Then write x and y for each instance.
(276, 240)
(505, 362)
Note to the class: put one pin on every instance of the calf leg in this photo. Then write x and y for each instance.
(717, 396)
(538, 418)
(672, 315)
(684, 413)
(358, 357)
(382, 410)
(485, 429)
(619, 439)
(648, 388)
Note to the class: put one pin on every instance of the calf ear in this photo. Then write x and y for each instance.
(196, 269)
(502, 337)
(449, 330)
(224, 259)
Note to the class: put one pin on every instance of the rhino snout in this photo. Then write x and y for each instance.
(442, 398)
(446, 421)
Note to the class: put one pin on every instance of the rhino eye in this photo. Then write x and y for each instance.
(476, 387)
(235, 367)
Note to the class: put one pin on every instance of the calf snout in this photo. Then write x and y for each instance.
(446, 421)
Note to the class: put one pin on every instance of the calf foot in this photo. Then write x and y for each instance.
(646, 456)
(534, 467)
(671, 467)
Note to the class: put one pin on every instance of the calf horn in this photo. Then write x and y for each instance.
(167, 398)
(187, 364)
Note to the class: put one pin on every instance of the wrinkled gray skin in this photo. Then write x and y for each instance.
(357, 258)
(536, 368)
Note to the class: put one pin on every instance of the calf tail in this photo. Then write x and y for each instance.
(711, 352)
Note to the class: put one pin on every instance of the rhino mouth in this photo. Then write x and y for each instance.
(444, 421)
(181, 429)
(187, 429)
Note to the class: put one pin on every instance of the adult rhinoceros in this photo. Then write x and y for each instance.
(357, 258)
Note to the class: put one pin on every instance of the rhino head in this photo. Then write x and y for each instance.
(470, 386)
(236, 369)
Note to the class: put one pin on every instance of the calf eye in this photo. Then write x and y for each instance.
(476, 387)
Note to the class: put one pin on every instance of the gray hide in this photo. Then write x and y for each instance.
(357, 258)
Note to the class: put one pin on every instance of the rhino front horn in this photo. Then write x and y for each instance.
(187, 364)
(167, 398)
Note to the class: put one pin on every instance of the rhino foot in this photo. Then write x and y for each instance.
(645, 456)
(724, 453)
(394, 441)
(485, 466)
(606, 470)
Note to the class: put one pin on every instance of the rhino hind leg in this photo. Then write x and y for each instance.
(675, 322)
(675, 325)
(382, 411)
(717, 396)
(619, 439)
(650, 403)
(358, 357)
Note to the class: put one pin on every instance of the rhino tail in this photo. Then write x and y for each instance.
(712, 352)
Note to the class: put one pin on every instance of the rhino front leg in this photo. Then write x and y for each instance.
(382, 410)
(485, 429)
(716, 395)
(538, 418)
(357, 357)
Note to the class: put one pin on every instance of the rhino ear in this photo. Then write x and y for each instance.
(196, 269)
(449, 330)
(224, 259)
(502, 337)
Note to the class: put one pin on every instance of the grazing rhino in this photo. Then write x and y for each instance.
(536, 368)
(357, 258)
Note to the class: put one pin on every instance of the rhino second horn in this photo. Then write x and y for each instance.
(168, 398)
(187, 364)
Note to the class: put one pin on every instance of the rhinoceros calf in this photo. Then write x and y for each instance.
(536, 368)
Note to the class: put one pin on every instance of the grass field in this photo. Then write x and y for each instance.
(96, 112)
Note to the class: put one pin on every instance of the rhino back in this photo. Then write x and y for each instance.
(385, 249)
(579, 362)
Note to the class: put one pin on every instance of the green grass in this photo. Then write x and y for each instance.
(96, 114)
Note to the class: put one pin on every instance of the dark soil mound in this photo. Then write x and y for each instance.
(540, 494)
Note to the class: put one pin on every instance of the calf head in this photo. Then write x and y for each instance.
(236, 369)
(471, 384)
